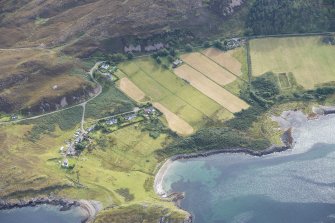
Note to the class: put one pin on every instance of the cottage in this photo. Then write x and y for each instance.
(177, 63)
(105, 66)
(111, 121)
(131, 117)
(90, 129)
(71, 150)
(150, 110)
(65, 163)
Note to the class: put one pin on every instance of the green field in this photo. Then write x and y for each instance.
(283, 80)
(118, 168)
(162, 86)
(310, 61)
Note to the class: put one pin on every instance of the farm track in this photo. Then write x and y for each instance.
(83, 104)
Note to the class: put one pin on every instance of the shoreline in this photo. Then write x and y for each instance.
(89, 209)
(287, 140)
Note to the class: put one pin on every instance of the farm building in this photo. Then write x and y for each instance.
(111, 121)
(177, 63)
(105, 66)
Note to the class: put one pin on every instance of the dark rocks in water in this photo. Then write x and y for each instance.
(64, 203)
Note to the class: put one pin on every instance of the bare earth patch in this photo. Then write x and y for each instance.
(209, 68)
(175, 122)
(225, 59)
(130, 89)
(211, 89)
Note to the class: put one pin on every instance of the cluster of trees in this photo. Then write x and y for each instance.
(328, 39)
(169, 53)
(290, 16)
(212, 139)
(234, 133)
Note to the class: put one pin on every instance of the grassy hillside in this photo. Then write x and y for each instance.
(38, 80)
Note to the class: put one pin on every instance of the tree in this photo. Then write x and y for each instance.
(165, 66)
(218, 44)
(158, 60)
(117, 57)
(188, 47)
(288, 16)
(207, 44)
(172, 52)
(130, 55)
(265, 86)
(170, 58)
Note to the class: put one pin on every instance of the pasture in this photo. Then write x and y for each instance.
(178, 96)
(310, 61)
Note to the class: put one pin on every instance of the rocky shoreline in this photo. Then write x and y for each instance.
(64, 203)
(89, 208)
(286, 138)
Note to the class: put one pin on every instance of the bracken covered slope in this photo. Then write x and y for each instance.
(53, 22)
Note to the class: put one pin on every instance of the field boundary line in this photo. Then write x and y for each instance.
(214, 82)
(176, 92)
(239, 77)
(280, 84)
(146, 74)
(249, 63)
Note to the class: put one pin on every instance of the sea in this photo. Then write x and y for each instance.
(42, 214)
(295, 186)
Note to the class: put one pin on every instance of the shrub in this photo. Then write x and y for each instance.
(188, 48)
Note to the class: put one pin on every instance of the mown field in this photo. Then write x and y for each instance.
(162, 86)
(217, 74)
(209, 68)
(208, 87)
(310, 60)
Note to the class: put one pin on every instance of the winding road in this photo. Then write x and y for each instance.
(83, 104)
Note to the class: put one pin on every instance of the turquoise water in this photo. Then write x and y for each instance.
(41, 214)
(292, 187)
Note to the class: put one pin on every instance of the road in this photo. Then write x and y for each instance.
(91, 72)
(83, 104)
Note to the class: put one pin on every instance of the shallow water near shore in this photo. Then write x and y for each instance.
(42, 214)
(295, 186)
